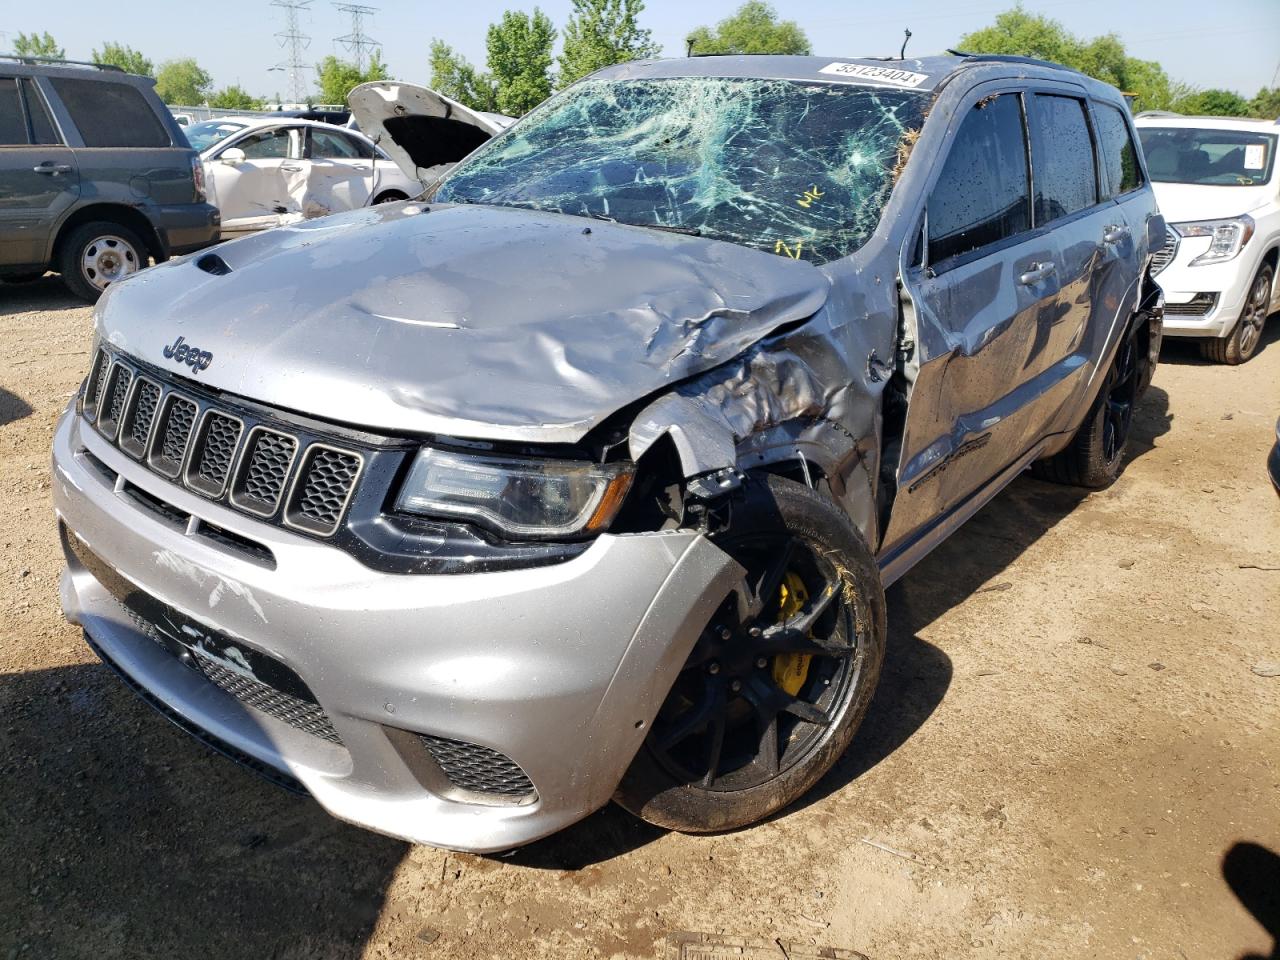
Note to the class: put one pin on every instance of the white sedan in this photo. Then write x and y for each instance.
(264, 172)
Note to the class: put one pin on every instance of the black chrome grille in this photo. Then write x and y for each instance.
(223, 450)
(1164, 256)
(268, 459)
(141, 415)
(215, 452)
(327, 479)
(1198, 306)
(470, 766)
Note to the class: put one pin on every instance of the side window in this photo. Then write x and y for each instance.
(111, 114)
(328, 145)
(1065, 177)
(13, 131)
(982, 195)
(1119, 156)
(41, 123)
(268, 145)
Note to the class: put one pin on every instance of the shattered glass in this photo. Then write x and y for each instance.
(797, 169)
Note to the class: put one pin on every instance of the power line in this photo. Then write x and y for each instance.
(295, 41)
(357, 41)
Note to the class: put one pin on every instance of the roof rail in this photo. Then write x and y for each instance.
(1010, 58)
(22, 58)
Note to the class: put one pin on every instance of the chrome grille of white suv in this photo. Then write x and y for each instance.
(223, 455)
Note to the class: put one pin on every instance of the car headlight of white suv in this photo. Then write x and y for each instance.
(1228, 237)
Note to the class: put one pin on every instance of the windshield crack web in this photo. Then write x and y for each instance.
(798, 169)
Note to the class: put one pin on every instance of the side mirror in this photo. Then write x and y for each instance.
(232, 155)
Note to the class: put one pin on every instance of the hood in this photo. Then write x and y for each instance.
(460, 320)
(423, 131)
(1183, 202)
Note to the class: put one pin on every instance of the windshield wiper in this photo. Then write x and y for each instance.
(668, 228)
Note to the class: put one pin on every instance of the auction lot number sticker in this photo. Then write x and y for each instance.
(862, 71)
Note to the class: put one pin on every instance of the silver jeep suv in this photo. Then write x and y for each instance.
(583, 477)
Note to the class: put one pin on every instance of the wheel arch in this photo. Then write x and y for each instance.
(119, 213)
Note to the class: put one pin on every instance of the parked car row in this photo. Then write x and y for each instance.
(582, 476)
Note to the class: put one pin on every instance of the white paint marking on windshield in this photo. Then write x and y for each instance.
(862, 71)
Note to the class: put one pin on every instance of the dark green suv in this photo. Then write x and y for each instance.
(96, 177)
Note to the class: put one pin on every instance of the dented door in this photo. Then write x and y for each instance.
(987, 295)
(256, 192)
(339, 172)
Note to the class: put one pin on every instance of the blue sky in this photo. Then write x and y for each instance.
(1227, 43)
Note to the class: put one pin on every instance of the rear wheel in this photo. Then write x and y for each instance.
(781, 677)
(1096, 453)
(389, 196)
(95, 255)
(1239, 345)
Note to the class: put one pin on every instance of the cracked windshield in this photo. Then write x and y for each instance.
(798, 169)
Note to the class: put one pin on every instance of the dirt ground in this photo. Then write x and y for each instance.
(1073, 730)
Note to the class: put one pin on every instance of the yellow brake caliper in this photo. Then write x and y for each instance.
(790, 669)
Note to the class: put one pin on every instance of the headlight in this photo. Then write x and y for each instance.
(517, 497)
(1228, 237)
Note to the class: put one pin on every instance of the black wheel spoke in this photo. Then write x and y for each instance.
(715, 748)
(693, 720)
(767, 758)
(767, 589)
(807, 712)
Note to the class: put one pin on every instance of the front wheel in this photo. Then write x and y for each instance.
(779, 680)
(1239, 345)
(96, 255)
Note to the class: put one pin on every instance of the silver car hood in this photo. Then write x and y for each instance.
(461, 320)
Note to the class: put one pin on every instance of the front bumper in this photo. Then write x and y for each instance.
(560, 668)
(1227, 282)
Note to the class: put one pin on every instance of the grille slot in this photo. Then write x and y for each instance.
(96, 383)
(139, 418)
(177, 418)
(322, 489)
(264, 471)
(297, 713)
(117, 390)
(1198, 306)
(478, 769)
(210, 465)
(1164, 256)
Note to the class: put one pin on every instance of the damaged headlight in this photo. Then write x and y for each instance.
(1228, 237)
(519, 498)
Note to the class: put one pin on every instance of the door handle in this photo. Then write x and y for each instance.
(1038, 272)
(1114, 233)
(289, 169)
(50, 169)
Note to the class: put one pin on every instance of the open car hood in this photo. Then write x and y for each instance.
(459, 320)
(423, 131)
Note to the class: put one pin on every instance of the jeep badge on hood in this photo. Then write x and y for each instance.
(196, 359)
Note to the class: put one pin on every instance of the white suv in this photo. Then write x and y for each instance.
(1215, 180)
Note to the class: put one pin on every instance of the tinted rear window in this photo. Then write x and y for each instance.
(982, 194)
(1061, 157)
(12, 129)
(1119, 157)
(111, 114)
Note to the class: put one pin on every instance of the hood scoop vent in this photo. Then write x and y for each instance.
(214, 264)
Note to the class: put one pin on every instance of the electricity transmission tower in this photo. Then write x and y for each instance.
(357, 42)
(295, 41)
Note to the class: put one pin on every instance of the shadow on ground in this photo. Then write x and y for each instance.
(122, 837)
(12, 407)
(46, 293)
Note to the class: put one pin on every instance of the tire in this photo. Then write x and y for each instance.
(95, 255)
(389, 196)
(1095, 455)
(813, 596)
(1241, 343)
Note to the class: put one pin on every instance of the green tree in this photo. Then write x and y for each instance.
(1214, 103)
(520, 60)
(234, 97)
(38, 45)
(753, 28)
(335, 78)
(1266, 104)
(1026, 34)
(601, 33)
(457, 79)
(183, 82)
(126, 58)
